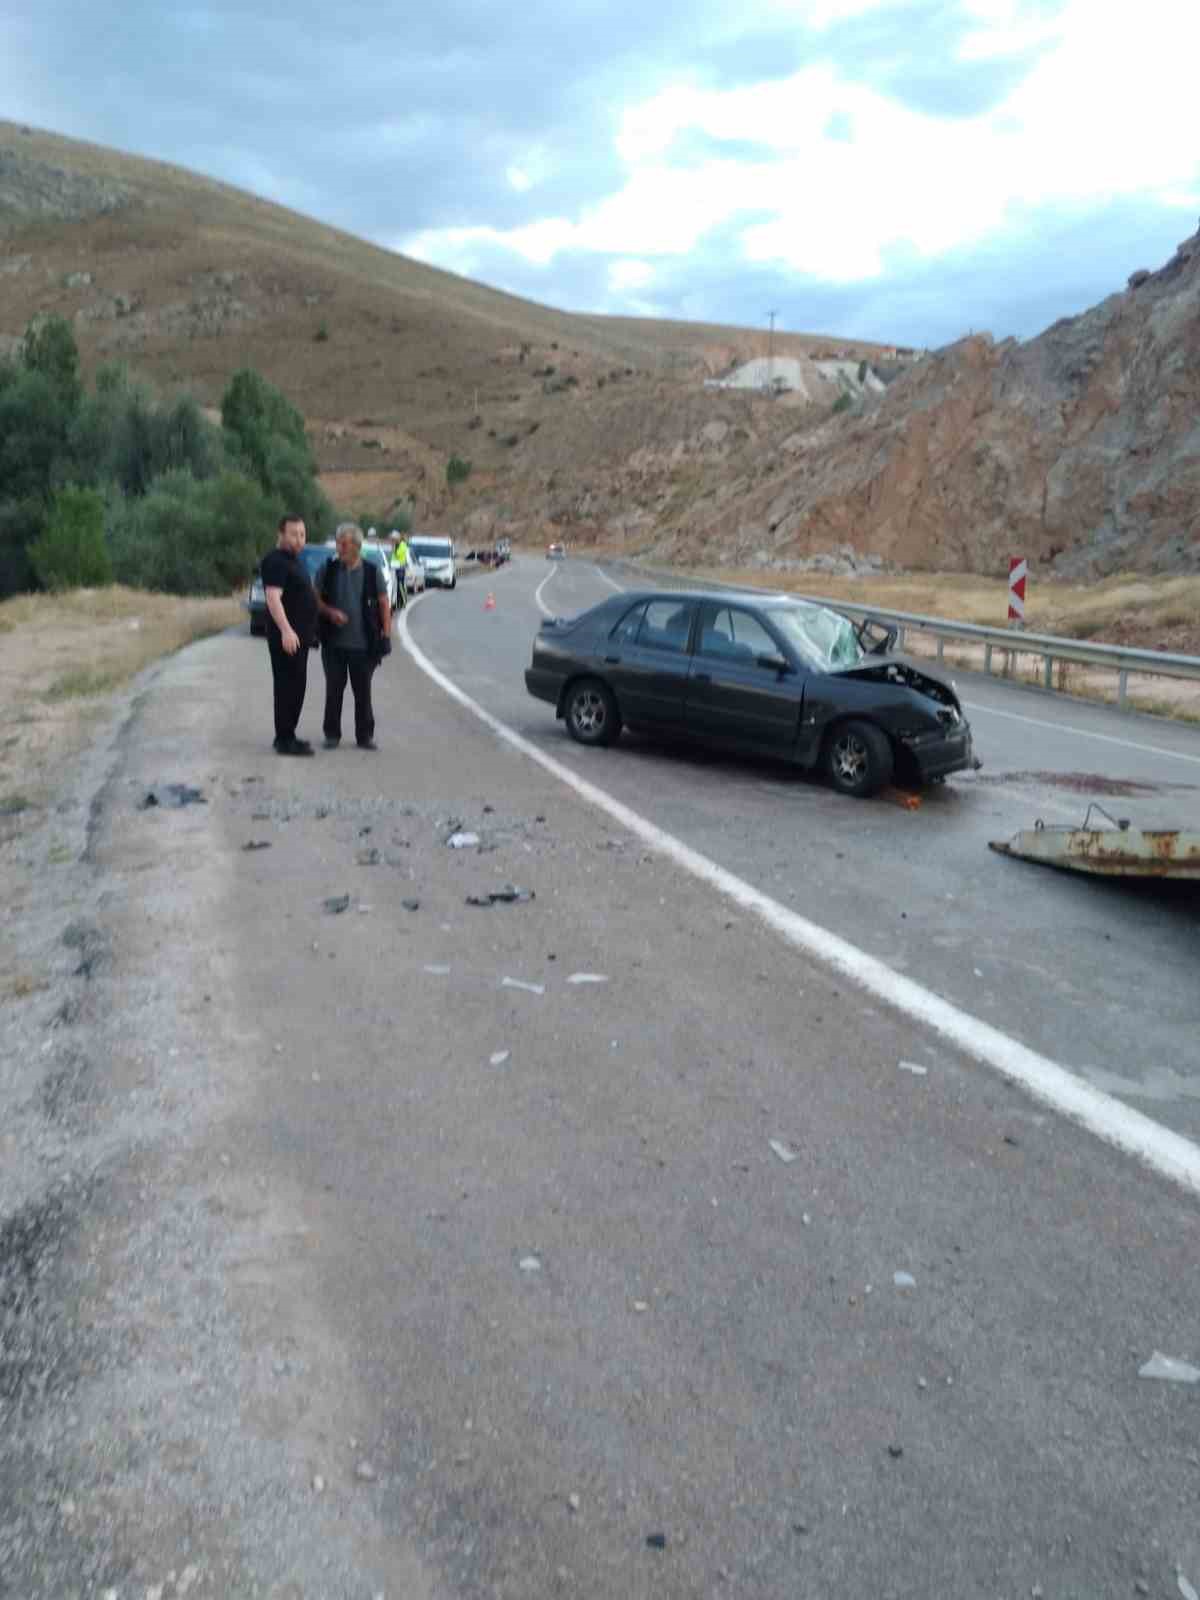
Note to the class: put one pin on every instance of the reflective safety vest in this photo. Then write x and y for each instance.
(400, 554)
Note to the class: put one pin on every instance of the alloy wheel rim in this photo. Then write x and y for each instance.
(849, 758)
(588, 712)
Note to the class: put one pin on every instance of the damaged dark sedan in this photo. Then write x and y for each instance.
(764, 674)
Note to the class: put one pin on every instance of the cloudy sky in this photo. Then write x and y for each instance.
(902, 170)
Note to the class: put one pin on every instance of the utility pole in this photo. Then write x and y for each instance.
(771, 315)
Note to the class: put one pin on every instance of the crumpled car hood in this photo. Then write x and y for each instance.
(901, 671)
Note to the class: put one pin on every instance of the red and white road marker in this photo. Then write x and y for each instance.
(1018, 570)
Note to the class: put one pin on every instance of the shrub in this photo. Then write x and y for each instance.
(190, 537)
(458, 470)
(70, 552)
(322, 333)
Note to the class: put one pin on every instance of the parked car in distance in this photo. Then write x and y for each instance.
(556, 552)
(763, 674)
(436, 556)
(312, 558)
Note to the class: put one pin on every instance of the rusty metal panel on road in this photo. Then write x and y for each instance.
(1108, 852)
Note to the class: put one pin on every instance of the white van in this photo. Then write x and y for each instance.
(436, 556)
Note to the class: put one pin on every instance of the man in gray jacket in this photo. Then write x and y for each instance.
(356, 617)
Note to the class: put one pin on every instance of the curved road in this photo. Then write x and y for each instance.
(1098, 976)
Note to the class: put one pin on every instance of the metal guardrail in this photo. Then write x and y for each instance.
(1121, 659)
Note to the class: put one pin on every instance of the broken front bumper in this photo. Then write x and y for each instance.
(941, 751)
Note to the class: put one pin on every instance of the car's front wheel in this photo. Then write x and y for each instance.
(591, 713)
(859, 759)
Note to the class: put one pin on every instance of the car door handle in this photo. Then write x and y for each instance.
(612, 661)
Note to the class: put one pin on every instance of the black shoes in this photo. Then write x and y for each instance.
(293, 747)
(367, 744)
(330, 744)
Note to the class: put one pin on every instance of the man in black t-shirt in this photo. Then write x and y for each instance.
(291, 631)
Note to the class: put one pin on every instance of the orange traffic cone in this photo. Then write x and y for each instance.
(490, 603)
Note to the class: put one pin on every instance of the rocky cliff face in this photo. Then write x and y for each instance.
(1079, 449)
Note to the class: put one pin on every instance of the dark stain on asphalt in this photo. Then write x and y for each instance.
(1082, 782)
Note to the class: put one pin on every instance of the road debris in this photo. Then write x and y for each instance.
(508, 894)
(336, 904)
(911, 1066)
(437, 971)
(175, 796)
(530, 1264)
(1185, 1588)
(498, 1058)
(463, 841)
(369, 858)
(656, 1541)
(411, 905)
(1169, 1369)
(785, 1154)
(519, 983)
(587, 977)
(1120, 851)
(904, 1280)
(365, 1472)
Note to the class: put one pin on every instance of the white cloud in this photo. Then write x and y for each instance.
(1105, 112)
(518, 179)
(629, 274)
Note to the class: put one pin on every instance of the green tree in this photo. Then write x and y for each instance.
(189, 536)
(266, 435)
(49, 348)
(458, 470)
(70, 552)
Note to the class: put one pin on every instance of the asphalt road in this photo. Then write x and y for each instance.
(1098, 976)
(388, 1260)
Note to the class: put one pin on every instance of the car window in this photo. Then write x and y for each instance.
(821, 637)
(732, 634)
(626, 630)
(666, 625)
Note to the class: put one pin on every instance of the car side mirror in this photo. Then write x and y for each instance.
(774, 664)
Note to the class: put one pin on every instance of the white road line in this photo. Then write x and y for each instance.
(537, 593)
(1062, 727)
(609, 581)
(1128, 1130)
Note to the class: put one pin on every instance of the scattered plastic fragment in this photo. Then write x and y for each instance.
(587, 977)
(911, 1066)
(507, 895)
(895, 1451)
(463, 841)
(369, 858)
(904, 1280)
(519, 983)
(437, 972)
(411, 905)
(257, 844)
(530, 1264)
(785, 1155)
(1185, 1588)
(656, 1541)
(498, 1058)
(336, 904)
(1169, 1369)
(175, 795)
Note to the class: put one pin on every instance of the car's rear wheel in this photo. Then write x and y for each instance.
(859, 759)
(591, 713)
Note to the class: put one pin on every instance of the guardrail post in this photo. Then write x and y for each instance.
(1048, 673)
(987, 658)
(941, 647)
(1122, 685)
(900, 639)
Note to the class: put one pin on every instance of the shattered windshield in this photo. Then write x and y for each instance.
(822, 639)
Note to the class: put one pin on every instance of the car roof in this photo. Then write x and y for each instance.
(773, 602)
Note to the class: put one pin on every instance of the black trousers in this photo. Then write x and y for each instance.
(291, 679)
(358, 666)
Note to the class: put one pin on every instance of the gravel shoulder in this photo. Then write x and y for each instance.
(333, 1264)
